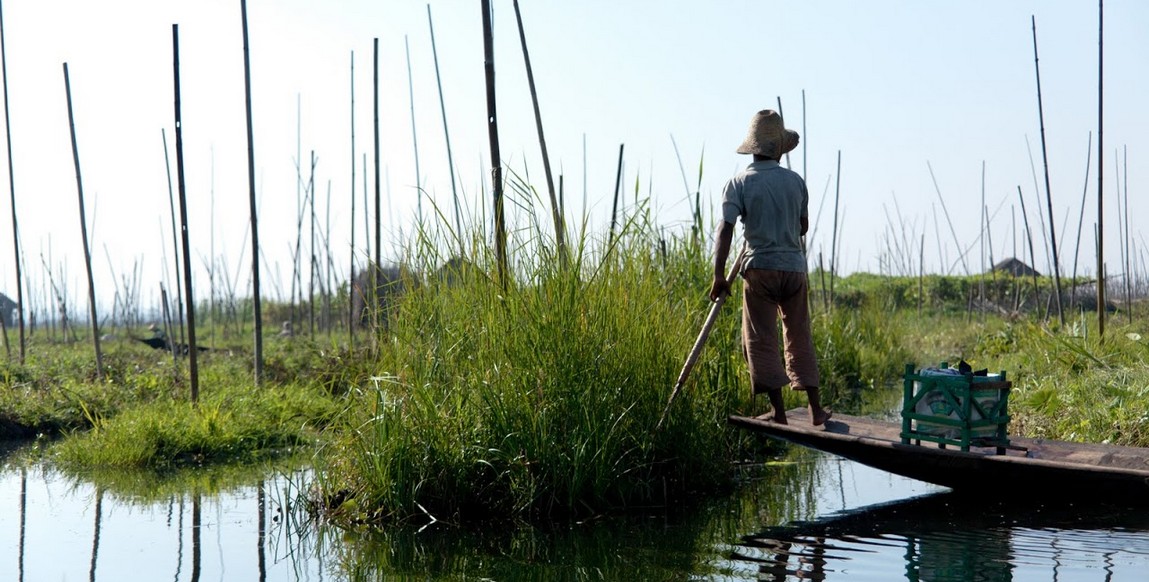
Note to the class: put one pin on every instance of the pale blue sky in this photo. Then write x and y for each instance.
(892, 85)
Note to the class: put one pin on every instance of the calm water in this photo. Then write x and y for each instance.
(808, 516)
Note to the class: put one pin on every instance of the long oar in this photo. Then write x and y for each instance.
(705, 333)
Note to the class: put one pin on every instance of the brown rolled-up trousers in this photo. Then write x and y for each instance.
(766, 295)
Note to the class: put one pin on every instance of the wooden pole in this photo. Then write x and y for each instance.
(1029, 239)
(311, 264)
(617, 186)
(12, 192)
(493, 135)
(190, 303)
(783, 117)
(447, 137)
(834, 234)
(351, 271)
(1128, 243)
(84, 232)
(255, 293)
(946, 212)
(175, 237)
(378, 211)
(696, 350)
(414, 135)
(1081, 216)
(1048, 195)
(560, 238)
(1100, 174)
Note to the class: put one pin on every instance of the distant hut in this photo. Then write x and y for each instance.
(8, 310)
(1015, 267)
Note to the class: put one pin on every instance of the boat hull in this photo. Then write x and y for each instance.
(1034, 468)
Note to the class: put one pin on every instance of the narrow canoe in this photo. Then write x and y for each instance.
(1030, 468)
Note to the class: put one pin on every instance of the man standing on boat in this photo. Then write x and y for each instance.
(772, 202)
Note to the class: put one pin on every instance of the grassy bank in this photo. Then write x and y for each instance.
(540, 398)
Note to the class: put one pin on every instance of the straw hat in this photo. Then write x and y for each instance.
(768, 136)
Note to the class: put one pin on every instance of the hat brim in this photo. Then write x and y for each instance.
(770, 148)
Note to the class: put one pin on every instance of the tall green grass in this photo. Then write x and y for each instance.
(541, 399)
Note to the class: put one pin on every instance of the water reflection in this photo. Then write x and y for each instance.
(208, 525)
(809, 517)
(945, 536)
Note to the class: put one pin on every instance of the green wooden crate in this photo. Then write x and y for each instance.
(955, 409)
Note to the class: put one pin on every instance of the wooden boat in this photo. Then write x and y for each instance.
(1028, 468)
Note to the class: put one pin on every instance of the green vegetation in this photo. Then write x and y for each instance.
(539, 398)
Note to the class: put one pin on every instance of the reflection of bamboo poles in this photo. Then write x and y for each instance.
(196, 526)
(23, 520)
(84, 232)
(180, 539)
(12, 191)
(261, 531)
(96, 533)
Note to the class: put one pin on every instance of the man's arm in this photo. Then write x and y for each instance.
(805, 225)
(722, 240)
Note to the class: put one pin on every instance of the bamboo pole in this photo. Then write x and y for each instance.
(190, 304)
(372, 277)
(1128, 242)
(921, 273)
(1029, 239)
(1048, 195)
(255, 293)
(617, 186)
(1081, 216)
(12, 192)
(351, 267)
(784, 117)
(984, 219)
(414, 135)
(84, 231)
(378, 209)
(311, 250)
(1100, 174)
(175, 237)
(834, 233)
(446, 137)
(696, 350)
(560, 235)
(493, 135)
(805, 139)
(946, 212)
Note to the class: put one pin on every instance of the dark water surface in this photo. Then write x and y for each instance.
(807, 516)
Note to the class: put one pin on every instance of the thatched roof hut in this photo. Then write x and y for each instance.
(8, 310)
(1015, 267)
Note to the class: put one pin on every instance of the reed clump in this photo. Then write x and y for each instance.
(540, 399)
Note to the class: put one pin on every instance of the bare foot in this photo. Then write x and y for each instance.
(819, 417)
(777, 418)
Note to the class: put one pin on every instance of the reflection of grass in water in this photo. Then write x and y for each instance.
(664, 544)
(145, 486)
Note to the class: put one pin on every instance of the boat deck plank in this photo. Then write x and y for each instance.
(1039, 463)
